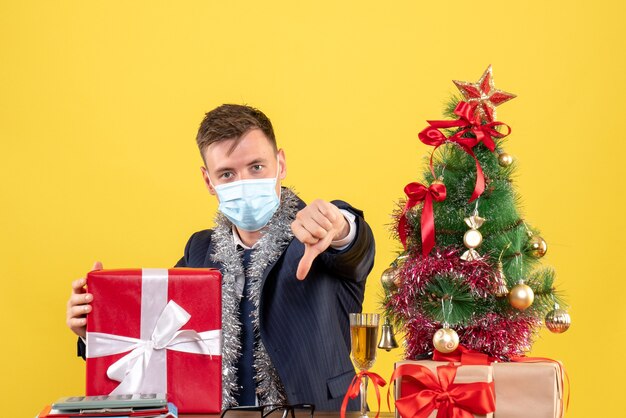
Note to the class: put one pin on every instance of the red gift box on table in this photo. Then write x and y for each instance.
(157, 331)
(424, 387)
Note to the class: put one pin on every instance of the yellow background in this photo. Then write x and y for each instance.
(100, 102)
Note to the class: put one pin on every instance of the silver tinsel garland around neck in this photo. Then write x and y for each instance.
(276, 235)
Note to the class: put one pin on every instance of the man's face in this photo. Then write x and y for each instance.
(254, 157)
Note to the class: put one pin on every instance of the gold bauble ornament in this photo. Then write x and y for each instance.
(558, 320)
(388, 279)
(398, 281)
(537, 246)
(437, 181)
(521, 296)
(446, 340)
(505, 159)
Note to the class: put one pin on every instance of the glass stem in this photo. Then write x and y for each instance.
(364, 396)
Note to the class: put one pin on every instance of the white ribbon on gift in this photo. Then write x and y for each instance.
(144, 368)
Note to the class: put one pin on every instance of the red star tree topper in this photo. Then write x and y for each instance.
(484, 94)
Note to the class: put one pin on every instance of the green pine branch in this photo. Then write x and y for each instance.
(449, 299)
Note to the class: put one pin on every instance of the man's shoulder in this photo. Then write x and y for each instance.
(196, 249)
(201, 238)
(199, 241)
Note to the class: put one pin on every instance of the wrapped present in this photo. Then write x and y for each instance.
(529, 388)
(432, 389)
(523, 382)
(524, 387)
(157, 331)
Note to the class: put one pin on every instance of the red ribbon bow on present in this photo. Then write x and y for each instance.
(355, 388)
(465, 356)
(469, 122)
(417, 192)
(451, 400)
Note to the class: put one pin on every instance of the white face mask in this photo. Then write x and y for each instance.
(249, 204)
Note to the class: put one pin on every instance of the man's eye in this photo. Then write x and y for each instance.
(226, 175)
(257, 167)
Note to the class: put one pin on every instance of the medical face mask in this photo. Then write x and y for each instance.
(249, 204)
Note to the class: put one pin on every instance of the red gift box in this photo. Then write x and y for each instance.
(157, 331)
(474, 379)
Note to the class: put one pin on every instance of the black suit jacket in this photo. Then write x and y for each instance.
(304, 325)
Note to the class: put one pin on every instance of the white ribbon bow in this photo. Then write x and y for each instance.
(144, 369)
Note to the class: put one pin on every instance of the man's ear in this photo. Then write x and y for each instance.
(283, 164)
(207, 182)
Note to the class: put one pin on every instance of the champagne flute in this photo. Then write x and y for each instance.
(364, 336)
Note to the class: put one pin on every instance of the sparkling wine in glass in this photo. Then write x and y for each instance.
(364, 336)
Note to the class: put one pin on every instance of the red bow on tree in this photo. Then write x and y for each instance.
(470, 123)
(451, 400)
(417, 192)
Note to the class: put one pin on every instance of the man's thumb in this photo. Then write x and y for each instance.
(306, 261)
(310, 253)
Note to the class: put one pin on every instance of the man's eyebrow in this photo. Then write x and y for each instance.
(223, 170)
(257, 161)
(253, 162)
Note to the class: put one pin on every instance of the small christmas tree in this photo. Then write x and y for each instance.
(469, 271)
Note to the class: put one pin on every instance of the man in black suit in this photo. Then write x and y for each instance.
(285, 301)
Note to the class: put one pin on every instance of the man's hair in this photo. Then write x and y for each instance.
(232, 121)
